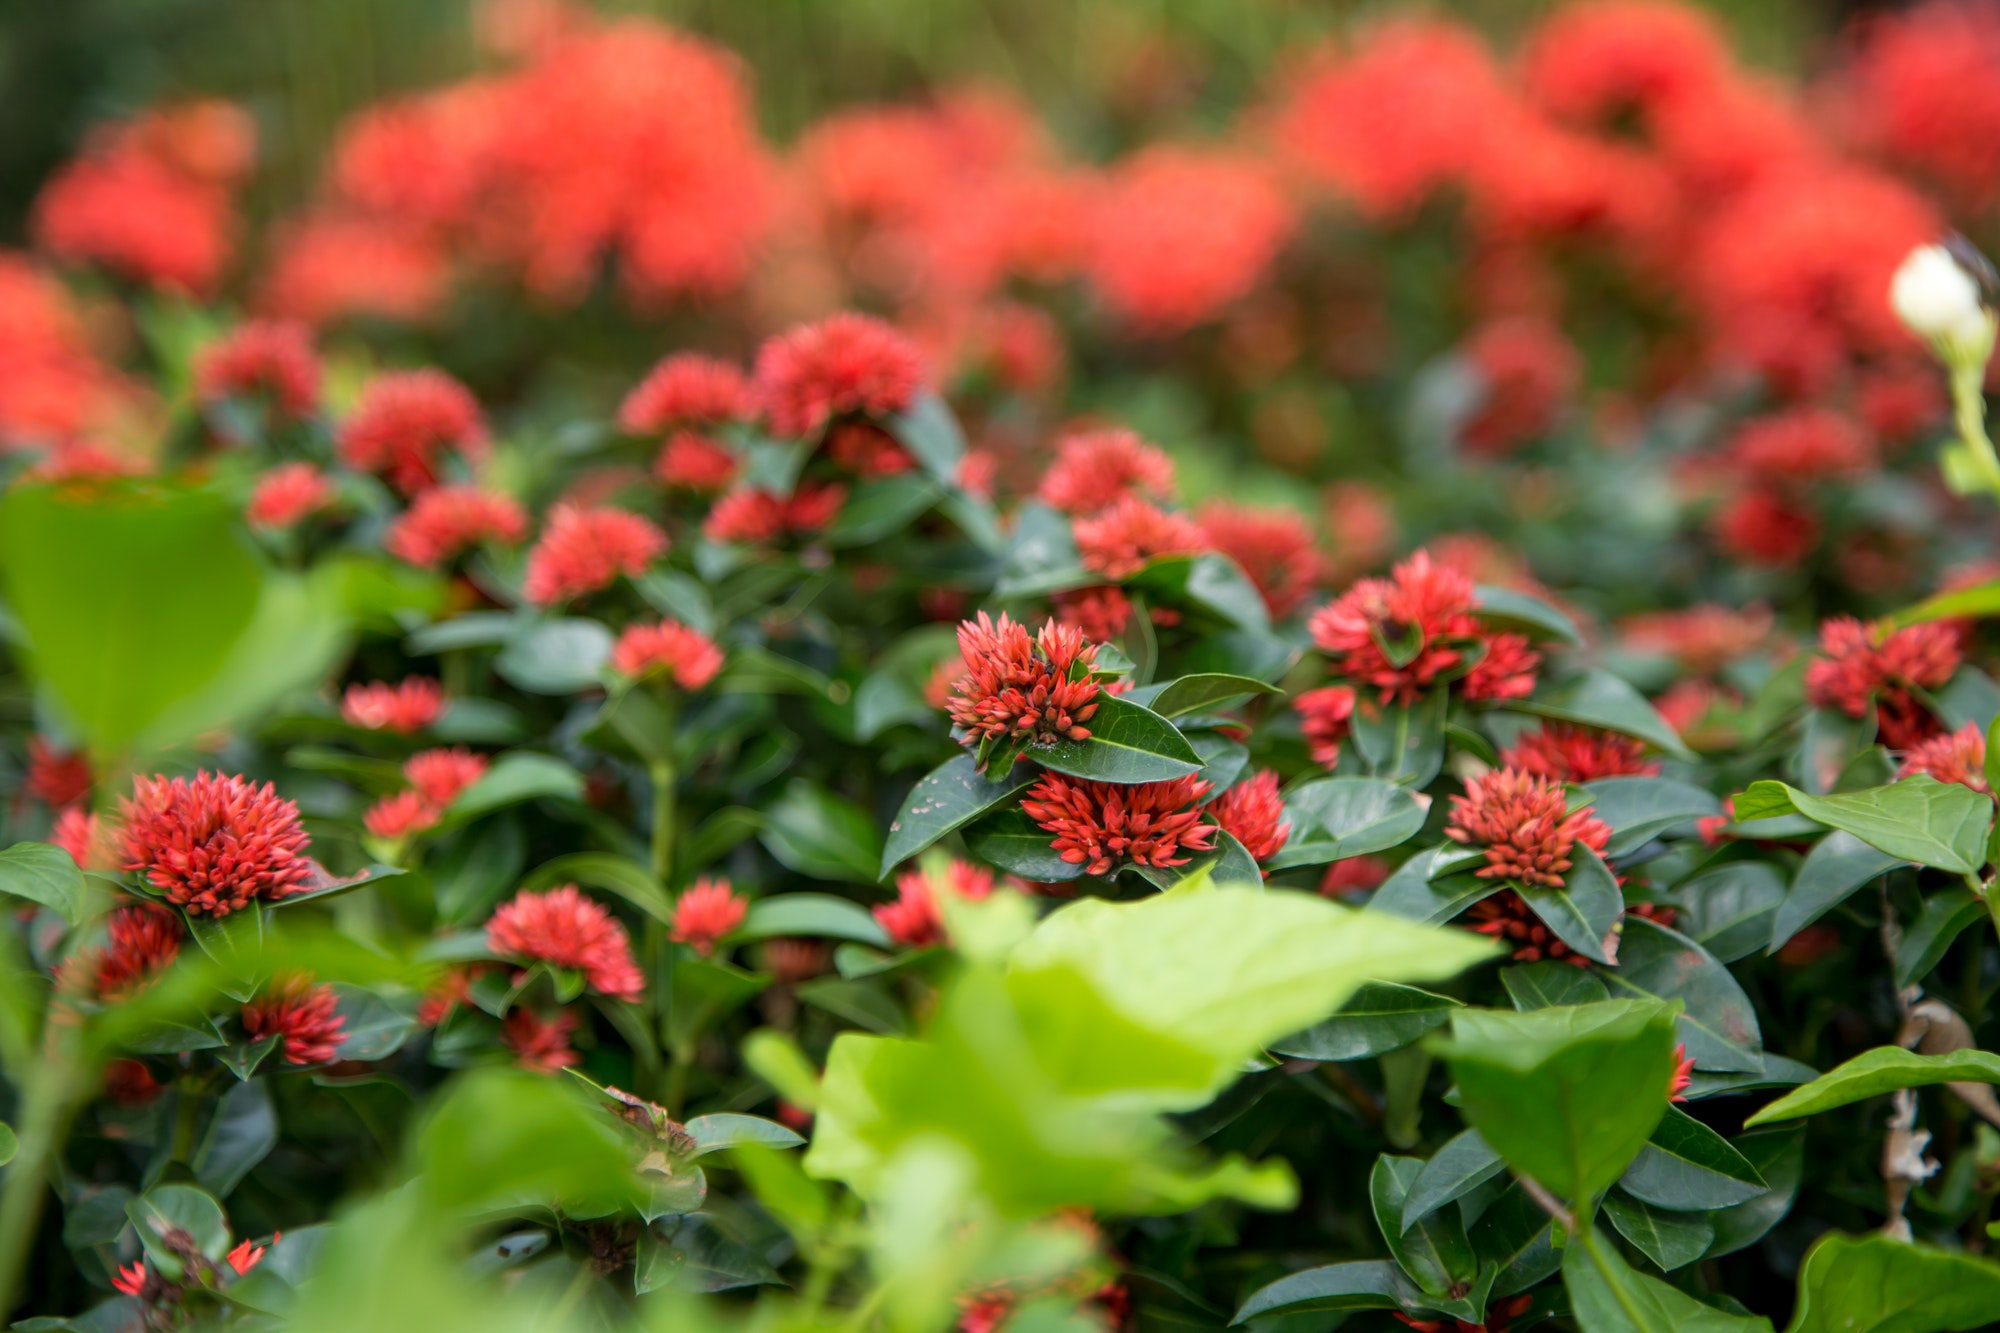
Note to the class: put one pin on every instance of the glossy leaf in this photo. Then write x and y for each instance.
(727, 1129)
(1585, 912)
(515, 777)
(1228, 862)
(1019, 846)
(1405, 743)
(882, 508)
(1412, 893)
(1946, 915)
(1670, 1239)
(1718, 1023)
(44, 874)
(1541, 984)
(930, 431)
(1779, 1156)
(1919, 819)
(1461, 1166)
(241, 1133)
(1368, 1284)
(559, 656)
(1685, 1165)
(1335, 818)
(1190, 694)
(1506, 609)
(166, 1208)
(1873, 1284)
(1607, 1296)
(1381, 1017)
(1838, 864)
(1127, 744)
(1729, 910)
(1432, 1249)
(1597, 698)
(811, 916)
(822, 835)
(1872, 1073)
(1514, 1236)
(946, 799)
(1639, 809)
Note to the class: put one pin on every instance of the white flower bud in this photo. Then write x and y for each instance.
(1937, 299)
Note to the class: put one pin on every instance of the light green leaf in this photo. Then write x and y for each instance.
(1919, 819)
(1872, 1284)
(46, 875)
(727, 1129)
(1872, 1073)
(1607, 1296)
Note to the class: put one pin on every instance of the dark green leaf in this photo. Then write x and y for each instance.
(824, 836)
(1778, 1072)
(1208, 582)
(1335, 818)
(864, 1003)
(1461, 1166)
(1919, 819)
(1515, 1237)
(1371, 1284)
(929, 430)
(241, 1134)
(1729, 910)
(1190, 694)
(1507, 609)
(1718, 1024)
(559, 656)
(1779, 1156)
(1838, 864)
(1607, 1296)
(812, 916)
(1872, 1073)
(608, 871)
(1687, 1166)
(1019, 846)
(1127, 744)
(1597, 698)
(1432, 1249)
(947, 798)
(1222, 760)
(1413, 894)
(46, 875)
(1546, 983)
(1381, 1017)
(1873, 1284)
(883, 508)
(374, 1028)
(244, 1058)
(1585, 912)
(1671, 1240)
(1229, 863)
(165, 1208)
(716, 836)
(1946, 914)
(705, 991)
(1969, 698)
(1402, 744)
(235, 941)
(1639, 809)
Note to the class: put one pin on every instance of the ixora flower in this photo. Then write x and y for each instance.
(446, 521)
(141, 941)
(754, 516)
(538, 1043)
(1403, 634)
(1103, 825)
(1862, 664)
(301, 1012)
(268, 359)
(441, 774)
(57, 777)
(1125, 538)
(286, 494)
(847, 364)
(708, 910)
(1576, 754)
(1095, 469)
(585, 550)
(915, 918)
(400, 815)
(687, 390)
(1274, 547)
(1016, 689)
(670, 650)
(214, 843)
(1251, 812)
(1325, 716)
(406, 707)
(1942, 300)
(695, 462)
(1524, 823)
(565, 928)
(406, 422)
(1958, 756)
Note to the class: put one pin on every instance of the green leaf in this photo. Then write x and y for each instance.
(1729, 910)
(1639, 809)
(1671, 1240)
(1979, 600)
(1837, 865)
(946, 799)
(1947, 913)
(559, 656)
(1507, 609)
(1718, 1023)
(716, 836)
(1919, 819)
(1335, 818)
(727, 1129)
(122, 574)
(1687, 1166)
(1461, 1166)
(165, 1208)
(608, 871)
(9, 1143)
(1222, 760)
(1411, 892)
(1432, 1249)
(373, 1029)
(813, 916)
(1585, 912)
(705, 991)
(243, 1058)
(879, 509)
(235, 941)
(1596, 698)
(1514, 1236)
(929, 430)
(1127, 744)
(46, 875)
(1381, 1017)
(1228, 863)
(1779, 1156)
(1368, 1284)
(819, 834)
(1402, 744)
(241, 1134)
(1041, 555)
(1607, 1296)
(1543, 984)
(1969, 698)
(1872, 1073)
(320, 885)
(1210, 582)
(1191, 694)
(518, 776)
(1872, 1284)
(863, 1002)
(1566, 1095)
(1019, 846)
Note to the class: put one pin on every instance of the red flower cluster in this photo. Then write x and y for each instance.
(696, 462)
(845, 364)
(1567, 753)
(405, 423)
(269, 360)
(915, 919)
(1919, 91)
(1425, 609)
(540, 1044)
(213, 844)
(444, 522)
(85, 837)
(141, 941)
(53, 384)
(57, 777)
(1801, 445)
(687, 391)
(305, 1015)
(405, 708)
(757, 516)
(442, 774)
(1103, 825)
(1528, 371)
(1525, 826)
(1095, 469)
(1275, 547)
(1100, 613)
(566, 929)
(1251, 812)
(1325, 718)
(585, 550)
(1860, 664)
(867, 450)
(1037, 690)
(1957, 756)
(707, 910)
(400, 815)
(1702, 639)
(153, 199)
(1123, 539)
(287, 494)
(675, 651)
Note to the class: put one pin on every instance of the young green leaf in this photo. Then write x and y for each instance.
(1874, 1284)
(1942, 824)
(1872, 1073)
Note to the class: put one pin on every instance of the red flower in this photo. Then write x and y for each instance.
(1958, 756)
(444, 522)
(141, 941)
(1180, 234)
(585, 550)
(1100, 613)
(1528, 371)
(131, 1279)
(449, 991)
(684, 391)
(1500, 1316)
(1353, 874)
(1524, 824)
(695, 462)
(705, 912)
(1507, 917)
(1101, 825)
(286, 494)
(1250, 812)
(1761, 527)
(244, 1256)
(401, 815)
(846, 363)
(1095, 469)
(440, 775)
(867, 450)
(53, 384)
(268, 360)
(1036, 690)
(213, 844)
(569, 930)
(1325, 715)
(915, 919)
(749, 515)
(57, 778)
(129, 1083)
(83, 835)
(686, 656)
(1595, 62)
(302, 1013)
(1123, 539)
(1275, 547)
(1919, 92)
(1859, 665)
(405, 708)
(1702, 639)
(1426, 609)
(814, 505)
(1683, 1073)
(328, 268)
(1505, 671)
(1576, 754)
(1802, 444)
(404, 424)
(540, 1044)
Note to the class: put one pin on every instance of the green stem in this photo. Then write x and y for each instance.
(1968, 397)
(44, 1113)
(662, 773)
(1983, 890)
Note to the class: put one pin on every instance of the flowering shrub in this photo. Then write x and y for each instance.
(862, 821)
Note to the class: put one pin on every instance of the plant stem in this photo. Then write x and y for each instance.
(44, 1110)
(1968, 396)
(662, 774)
(1551, 1205)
